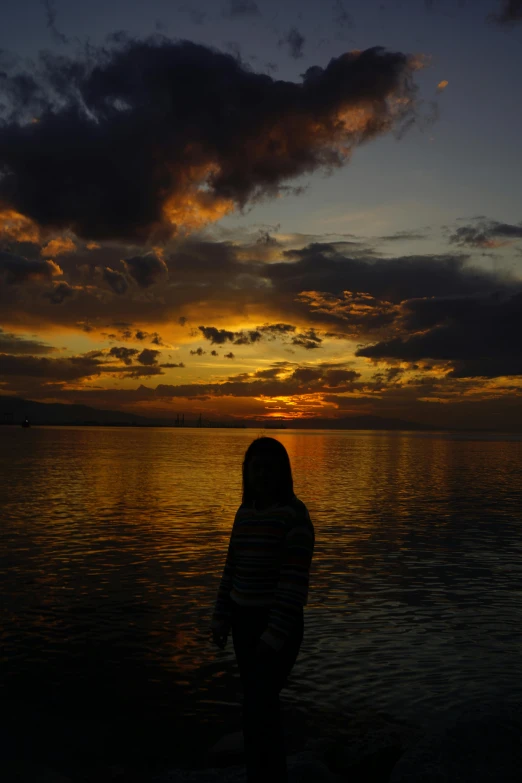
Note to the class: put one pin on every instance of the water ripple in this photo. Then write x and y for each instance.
(115, 542)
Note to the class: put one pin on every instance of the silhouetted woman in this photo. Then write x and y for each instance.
(261, 597)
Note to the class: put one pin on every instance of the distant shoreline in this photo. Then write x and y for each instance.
(260, 425)
(16, 410)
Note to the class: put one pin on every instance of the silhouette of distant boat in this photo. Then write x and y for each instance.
(26, 423)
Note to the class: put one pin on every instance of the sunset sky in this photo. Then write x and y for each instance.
(257, 209)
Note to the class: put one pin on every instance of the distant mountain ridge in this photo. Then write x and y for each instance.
(13, 410)
(64, 413)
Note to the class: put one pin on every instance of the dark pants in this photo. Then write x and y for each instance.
(265, 751)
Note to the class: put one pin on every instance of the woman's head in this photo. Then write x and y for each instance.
(266, 471)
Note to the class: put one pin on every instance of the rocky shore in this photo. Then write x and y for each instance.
(467, 745)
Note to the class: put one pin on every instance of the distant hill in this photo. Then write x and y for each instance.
(13, 410)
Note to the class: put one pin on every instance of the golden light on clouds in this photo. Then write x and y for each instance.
(419, 61)
(356, 119)
(15, 226)
(191, 211)
(442, 85)
(58, 246)
(160, 252)
(192, 207)
(41, 272)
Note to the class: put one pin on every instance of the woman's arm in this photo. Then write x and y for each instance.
(223, 609)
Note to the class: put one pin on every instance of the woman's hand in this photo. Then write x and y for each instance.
(220, 636)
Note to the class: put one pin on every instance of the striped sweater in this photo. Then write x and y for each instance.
(268, 564)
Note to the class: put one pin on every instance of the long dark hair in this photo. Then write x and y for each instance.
(272, 448)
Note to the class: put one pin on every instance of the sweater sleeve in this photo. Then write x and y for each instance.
(222, 614)
(292, 588)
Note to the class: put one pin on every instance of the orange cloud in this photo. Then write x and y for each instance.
(191, 207)
(16, 226)
(58, 246)
(199, 137)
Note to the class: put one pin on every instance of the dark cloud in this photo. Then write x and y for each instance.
(488, 233)
(247, 338)
(357, 313)
(339, 378)
(148, 356)
(322, 267)
(273, 372)
(295, 41)
(341, 17)
(266, 239)
(21, 270)
(234, 47)
(198, 352)
(147, 370)
(277, 329)
(124, 332)
(146, 270)
(170, 365)
(300, 380)
(510, 12)
(282, 379)
(13, 343)
(60, 292)
(306, 375)
(50, 11)
(154, 337)
(487, 367)
(403, 235)
(320, 286)
(229, 355)
(473, 336)
(235, 8)
(217, 336)
(214, 353)
(66, 369)
(307, 340)
(25, 249)
(124, 354)
(182, 320)
(78, 368)
(117, 281)
(386, 378)
(127, 132)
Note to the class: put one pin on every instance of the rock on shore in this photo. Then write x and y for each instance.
(362, 747)
(474, 744)
(470, 744)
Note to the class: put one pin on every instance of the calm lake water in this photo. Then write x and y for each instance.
(113, 541)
